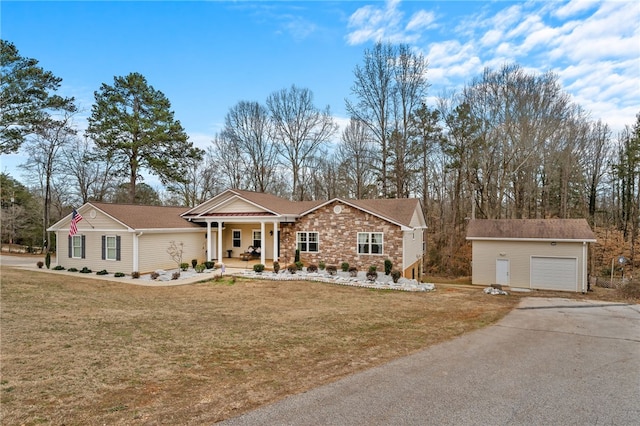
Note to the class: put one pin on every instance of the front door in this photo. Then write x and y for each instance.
(502, 271)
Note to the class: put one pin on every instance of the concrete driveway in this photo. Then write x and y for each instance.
(551, 361)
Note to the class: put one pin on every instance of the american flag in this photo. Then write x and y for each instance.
(75, 218)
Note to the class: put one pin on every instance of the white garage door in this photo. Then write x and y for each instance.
(554, 273)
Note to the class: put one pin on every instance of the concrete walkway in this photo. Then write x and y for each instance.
(551, 361)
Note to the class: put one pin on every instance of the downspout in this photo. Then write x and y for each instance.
(208, 241)
(136, 245)
(263, 248)
(584, 267)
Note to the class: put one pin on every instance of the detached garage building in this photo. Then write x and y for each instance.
(545, 254)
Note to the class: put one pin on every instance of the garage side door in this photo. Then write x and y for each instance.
(554, 273)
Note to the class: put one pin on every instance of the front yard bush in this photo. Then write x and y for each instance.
(332, 269)
(388, 266)
(103, 272)
(322, 265)
(200, 268)
(40, 264)
(344, 266)
(372, 274)
(58, 268)
(85, 270)
(209, 264)
(135, 274)
(292, 268)
(194, 262)
(154, 275)
(72, 270)
(276, 267)
(258, 267)
(119, 274)
(175, 275)
(353, 271)
(395, 275)
(312, 269)
(184, 266)
(299, 265)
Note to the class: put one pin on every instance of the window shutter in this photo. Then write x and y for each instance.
(104, 246)
(83, 246)
(118, 247)
(70, 248)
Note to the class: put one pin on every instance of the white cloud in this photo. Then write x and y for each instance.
(572, 8)
(421, 20)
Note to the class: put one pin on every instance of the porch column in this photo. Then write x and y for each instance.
(262, 244)
(276, 255)
(219, 242)
(208, 241)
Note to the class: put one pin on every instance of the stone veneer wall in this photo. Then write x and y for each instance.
(338, 233)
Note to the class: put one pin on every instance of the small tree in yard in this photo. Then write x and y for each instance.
(175, 250)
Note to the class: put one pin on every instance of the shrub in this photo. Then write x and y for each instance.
(395, 275)
(119, 274)
(276, 267)
(58, 268)
(297, 256)
(103, 272)
(388, 266)
(332, 269)
(85, 270)
(47, 259)
(299, 265)
(72, 270)
(209, 264)
(135, 274)
(40, 264)
(154, 275)
(184, 266)
(344, 266)
(258, 267)
(200, 267)
(312, 268)
(194, 262)
(353, 271)
(372, 275)
(175, 275)
(322, 265)
(292, 268)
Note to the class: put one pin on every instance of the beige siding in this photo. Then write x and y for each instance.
(412, 253)
(246, 230)
(93, 252)
(153, 249)
(519, 254)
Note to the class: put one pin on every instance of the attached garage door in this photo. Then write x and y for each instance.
(554, 273)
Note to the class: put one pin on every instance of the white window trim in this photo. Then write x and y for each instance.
(114, 248)
(370, 244)
(307, 242)
(254, 239)
(233, 240)
(78, 246)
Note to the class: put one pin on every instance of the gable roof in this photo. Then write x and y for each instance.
(133, 216)
(399, 211)
(530, 229)
(271, 204)
(137, 216)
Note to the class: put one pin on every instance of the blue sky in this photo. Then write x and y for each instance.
(207, 56)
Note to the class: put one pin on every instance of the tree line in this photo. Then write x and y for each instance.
(509, 144)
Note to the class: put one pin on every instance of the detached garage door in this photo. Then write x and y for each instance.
(554, 273)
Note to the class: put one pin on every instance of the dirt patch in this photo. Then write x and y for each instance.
(82, 351)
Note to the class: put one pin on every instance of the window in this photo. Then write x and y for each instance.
(307, 241)
(369, 242)
(110, 247)
(76, 247)
(237, 238)
(257, 239)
